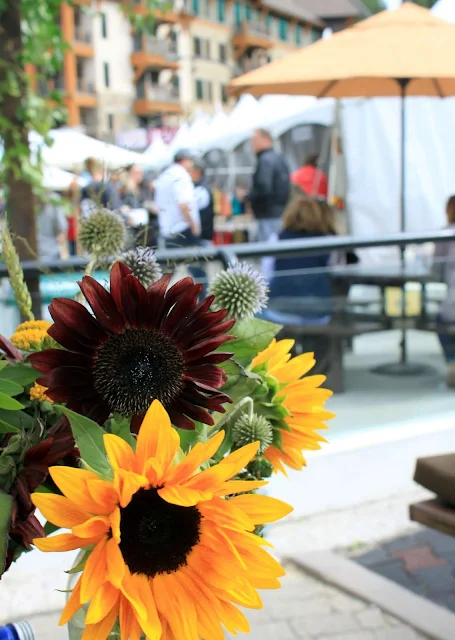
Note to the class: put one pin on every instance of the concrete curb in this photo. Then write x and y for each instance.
(424, 616)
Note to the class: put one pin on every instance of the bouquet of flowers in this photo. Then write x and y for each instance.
(144, 422)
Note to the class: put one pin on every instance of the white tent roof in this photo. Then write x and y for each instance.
(158, 154)
(445, 9)
(218, 124)
(56, 179)
(71, 148)
(318, 112)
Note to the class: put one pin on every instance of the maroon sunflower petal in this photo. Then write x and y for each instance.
(102, 304)
(12, 354)
(47, 360)
(194, 412)
(206, 373)
(75, 317)
(205, 347)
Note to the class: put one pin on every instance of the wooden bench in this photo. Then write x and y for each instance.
(435, 515)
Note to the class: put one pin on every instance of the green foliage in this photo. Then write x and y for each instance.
(6, 509)
(89, 440)
(375, 6)
(252, 336)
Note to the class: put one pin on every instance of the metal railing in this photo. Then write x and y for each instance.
(253, 28)
(82, 33)
(157, 46)
(85, 86)
(227, 254)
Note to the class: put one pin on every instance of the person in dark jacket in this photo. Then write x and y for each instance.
(97, 193)
(270, 190)
(205, 203)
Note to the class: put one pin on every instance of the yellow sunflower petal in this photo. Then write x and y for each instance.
(73, 604)
(157, 438)
(262, 509)
(183, 496)
(73, 483)
(200, 453)
(233, 619)
(175, 606)
(101, 630)
(119, 452)
(225, 513)
(114, 520)
(59, 510)
(96, 526)
(151, 625)
(102, 603)
(239, 486)
(128, 483)
(103, 493)
(115, 563)
(95, 572)
(63, 542)
(131, 592)
(296, 368)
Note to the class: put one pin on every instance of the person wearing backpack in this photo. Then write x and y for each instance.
(270, 190)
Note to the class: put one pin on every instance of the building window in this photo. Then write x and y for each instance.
(199, 89)
(283, 31)
(224, 94)
(209, 91)
(298, 34)
(196, 7)
(223, 53)
(248, 12)
(104, 25)
(269, 23)
(107, 79)
(221, 10)
(315, 35)
(238, 14)
(197, 47)
(110, 122)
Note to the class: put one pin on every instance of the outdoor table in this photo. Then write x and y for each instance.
(385, 276)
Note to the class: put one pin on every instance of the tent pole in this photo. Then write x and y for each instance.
(403, 82)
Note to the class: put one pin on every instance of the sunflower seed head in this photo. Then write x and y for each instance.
(240, 290)
(102, 234)
(143, 265)
(250, 429)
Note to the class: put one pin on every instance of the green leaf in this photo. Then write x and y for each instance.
(89, 440)
(252, 336)
(122, 430)
(81, 564)
(189, 438)
(10, 388)
(20, 373)
(6, 509)
(50, 528)
(9, 403)
(3, 364)
(19, 420)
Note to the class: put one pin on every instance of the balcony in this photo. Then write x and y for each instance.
(83, 41)
(157, 100)
(46, 86)
(155, 53)
(85, 93)
(248, 64)
(251, 35)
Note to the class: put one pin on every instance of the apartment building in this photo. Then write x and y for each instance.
(115, 78)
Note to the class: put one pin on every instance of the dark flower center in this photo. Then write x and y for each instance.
(136, 367)
(156, 537)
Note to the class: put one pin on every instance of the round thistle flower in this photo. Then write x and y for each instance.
(39, 325)
(240, 290)
(143, 265)
(171, 556)
(253, 428)
(102, 234)
(38, 392)
(138, 346)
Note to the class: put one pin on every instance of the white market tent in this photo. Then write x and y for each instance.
(445, 9)
(56, 179)
(71, 148)
(157, 155)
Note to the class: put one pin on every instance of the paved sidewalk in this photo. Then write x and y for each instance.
(304, 609)
(423, 562)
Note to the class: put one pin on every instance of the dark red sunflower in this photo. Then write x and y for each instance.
(138, 346)
(56, 448)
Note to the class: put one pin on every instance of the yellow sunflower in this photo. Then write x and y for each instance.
(303, 400)
(172, 555)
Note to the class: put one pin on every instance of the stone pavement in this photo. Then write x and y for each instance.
(423, 562)
(304, 609)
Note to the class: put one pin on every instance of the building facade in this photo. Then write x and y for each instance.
(116, 78)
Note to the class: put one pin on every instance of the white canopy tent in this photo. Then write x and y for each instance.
(157, 155)
(445, 9)
(56, 179)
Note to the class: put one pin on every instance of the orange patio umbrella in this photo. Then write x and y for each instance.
(406, 52)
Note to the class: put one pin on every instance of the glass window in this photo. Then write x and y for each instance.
(221, 10)
(269, 23)
(224, 94)
(223, 53)
(199, 89)
(298, 34)
(238, 13)
(315, 35)
(248, 12)
(283, 31)
(197, 48)
(104, 25)
(196, 7)
(107, 79)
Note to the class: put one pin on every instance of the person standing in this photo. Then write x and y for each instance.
(97, 193)
(270, 190)
(52, 227)
(204, 202)
(178, 215)
(310, 179)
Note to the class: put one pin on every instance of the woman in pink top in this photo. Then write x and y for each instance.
(310, 179)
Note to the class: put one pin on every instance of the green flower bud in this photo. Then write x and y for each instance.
(102, 234)
(252, 429)
(260, 468)
(240, 290)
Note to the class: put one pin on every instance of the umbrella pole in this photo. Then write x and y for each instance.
(403, 367)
